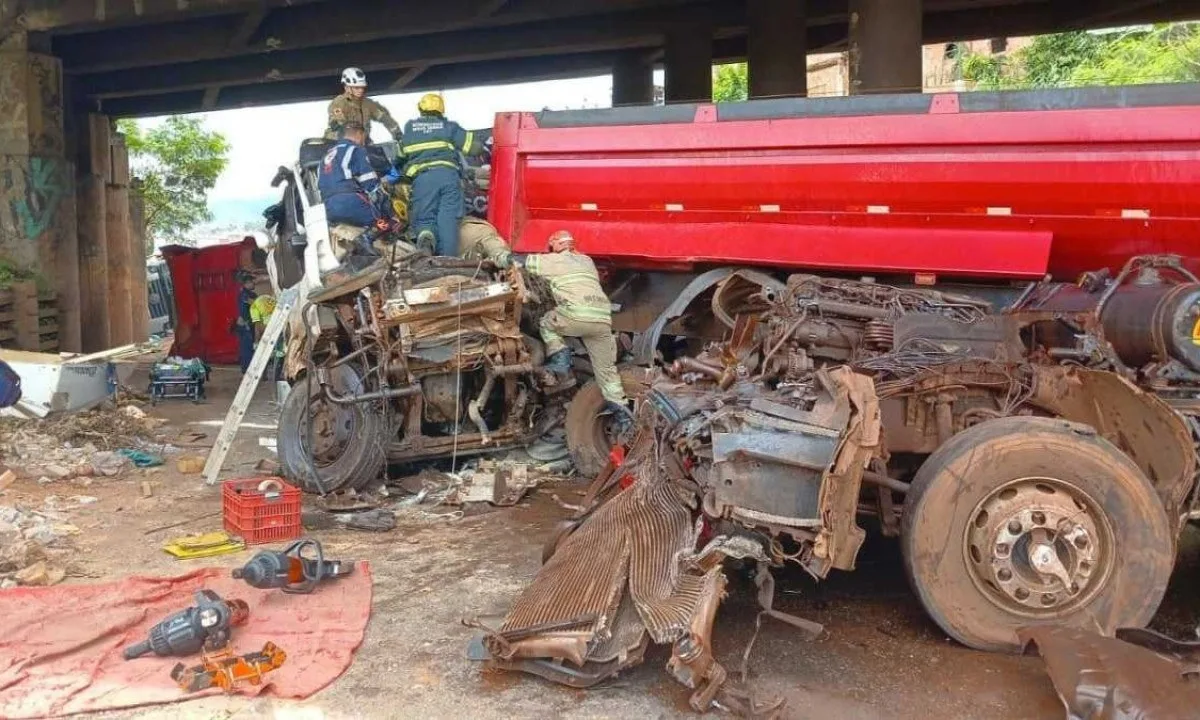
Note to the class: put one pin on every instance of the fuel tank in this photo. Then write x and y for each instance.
(1147, 321)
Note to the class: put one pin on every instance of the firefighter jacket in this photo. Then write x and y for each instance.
(575, 285)
(363, 111)
(346, 170)
(433, 141)
(479, 240)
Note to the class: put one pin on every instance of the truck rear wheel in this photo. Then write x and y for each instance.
(347, 440)
(590, 433)
(1026, 521)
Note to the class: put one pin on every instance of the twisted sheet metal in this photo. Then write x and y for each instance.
(636, 541)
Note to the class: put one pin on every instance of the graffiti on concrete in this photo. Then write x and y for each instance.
(32, 191)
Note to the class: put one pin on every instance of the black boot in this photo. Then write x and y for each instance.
(559, 362)
(622, 416)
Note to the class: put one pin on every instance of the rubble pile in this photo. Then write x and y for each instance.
(32, 543)
(78, 445)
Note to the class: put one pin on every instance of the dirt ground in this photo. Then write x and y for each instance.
(881, 656)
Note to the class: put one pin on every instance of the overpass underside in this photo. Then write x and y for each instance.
(68, 66)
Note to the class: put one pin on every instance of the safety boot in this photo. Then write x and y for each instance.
(622, 416)
(559, 362)
(427, 241)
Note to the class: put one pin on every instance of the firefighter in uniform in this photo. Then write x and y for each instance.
(352, 194)
(478, 240)
(429, 154)
(353, 106)
(583, 311)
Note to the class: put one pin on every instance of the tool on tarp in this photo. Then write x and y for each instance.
(206, 626)
(290, 570)
(225, 670)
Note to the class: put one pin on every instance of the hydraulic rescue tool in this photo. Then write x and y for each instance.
(206, 626)
(290, 570)
(225, 670)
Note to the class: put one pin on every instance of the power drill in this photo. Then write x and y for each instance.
(290, 570)
(206, 626)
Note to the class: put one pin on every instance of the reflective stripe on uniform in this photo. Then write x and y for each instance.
(468, 140)
(367, 176)
(415, 168)
(346, 163)
(586, 313)
(431, 145)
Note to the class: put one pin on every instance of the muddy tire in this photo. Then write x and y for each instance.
(1024, 521)
(588, 436)
(349, 439)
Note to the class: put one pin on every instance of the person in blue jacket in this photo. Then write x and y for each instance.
(10, 386)
(430, 158)
(244, 324)
(352, 194)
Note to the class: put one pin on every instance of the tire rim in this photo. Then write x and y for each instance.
(333, 429)
(1039, 547)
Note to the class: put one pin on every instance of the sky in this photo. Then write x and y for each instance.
(264, 138)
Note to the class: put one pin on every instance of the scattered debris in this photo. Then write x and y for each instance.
(1138, 674)
(109, 464)
(147, 489)
(267, 466)
(85, 499)
(25, 537)
(377, 520)
(500, 484)
(141, 459)
(190, 464)
(6, 479)
(39, 574)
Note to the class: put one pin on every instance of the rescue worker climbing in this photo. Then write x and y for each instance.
(583, 311)
(429, 155)
(478, 240)
(353, 106)
(352, 194)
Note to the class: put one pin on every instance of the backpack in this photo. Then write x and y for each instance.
(10, 386)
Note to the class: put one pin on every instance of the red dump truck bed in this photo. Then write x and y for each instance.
(985, 185)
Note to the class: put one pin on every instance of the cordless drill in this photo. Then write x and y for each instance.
(204, 627)
(290, 570)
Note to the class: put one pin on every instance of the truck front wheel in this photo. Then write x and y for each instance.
(1027, 521)
(347, 448)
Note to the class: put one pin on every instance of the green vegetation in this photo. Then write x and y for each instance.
(177, 162)
(730, 83)
(1153, 54)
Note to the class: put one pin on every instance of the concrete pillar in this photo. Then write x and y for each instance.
(139, 297)
(776, 50)
(688, 60)
(885, 46)
(120, 261)
(37, 220)
(633, 81)
(95, 162)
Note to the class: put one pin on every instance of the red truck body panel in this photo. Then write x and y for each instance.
(983, 185)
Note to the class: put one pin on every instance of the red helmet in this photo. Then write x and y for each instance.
(560, 241)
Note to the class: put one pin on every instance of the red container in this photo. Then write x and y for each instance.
(261, 510)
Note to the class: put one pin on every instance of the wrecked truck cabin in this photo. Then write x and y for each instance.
(1005, 377)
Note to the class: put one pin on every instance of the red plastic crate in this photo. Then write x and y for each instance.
(261, 516)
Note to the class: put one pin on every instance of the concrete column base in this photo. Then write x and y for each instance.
(885, 46)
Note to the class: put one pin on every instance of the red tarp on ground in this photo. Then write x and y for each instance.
(206, 299)
(60, 647)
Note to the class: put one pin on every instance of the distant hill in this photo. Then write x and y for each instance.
(240, 211)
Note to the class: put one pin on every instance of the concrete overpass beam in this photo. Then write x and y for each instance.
(37, 195)
(688, 60)
(776, 49)
(633, 81)
(885, 46)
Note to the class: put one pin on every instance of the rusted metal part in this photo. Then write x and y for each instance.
(1102, 677)
(692, 661)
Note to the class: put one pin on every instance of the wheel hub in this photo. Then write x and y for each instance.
(332, 428)
(1038, 546)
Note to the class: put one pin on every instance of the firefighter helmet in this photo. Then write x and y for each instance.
(432, 103)
(560, 241)
(354, 77)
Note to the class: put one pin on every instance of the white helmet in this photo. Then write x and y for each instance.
(354, 77)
